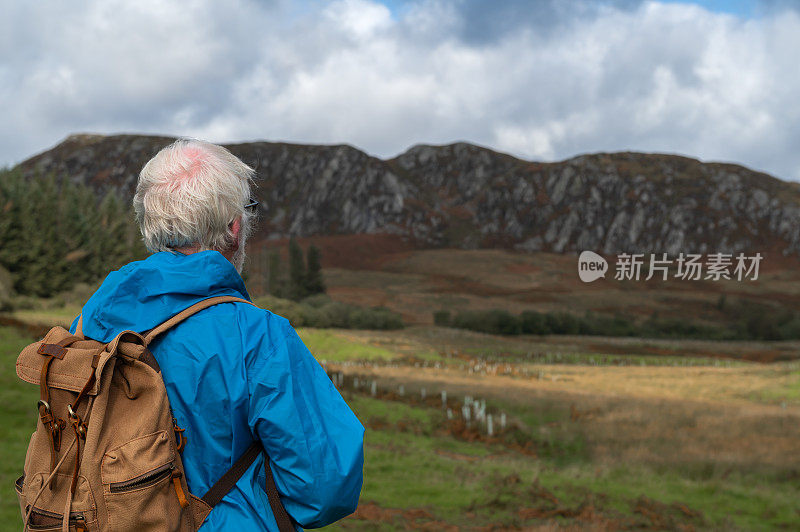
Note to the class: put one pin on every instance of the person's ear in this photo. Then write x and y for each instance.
(236, 228)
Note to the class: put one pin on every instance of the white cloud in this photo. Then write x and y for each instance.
(654, 77)
(361, 19)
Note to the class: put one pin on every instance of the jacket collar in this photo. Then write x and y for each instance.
(143, 294)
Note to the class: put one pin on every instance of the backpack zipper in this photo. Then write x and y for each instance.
(142, 481)
(75, 518)
(176, 482)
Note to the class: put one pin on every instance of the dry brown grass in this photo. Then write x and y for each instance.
(695, 419)
(695, 435)
(741, 387)
(731, 386)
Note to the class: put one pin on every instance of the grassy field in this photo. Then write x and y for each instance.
(612, 437)
(19, 420)
(420, 470)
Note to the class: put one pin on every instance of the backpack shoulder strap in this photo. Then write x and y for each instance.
(197, 307)
(232, 476)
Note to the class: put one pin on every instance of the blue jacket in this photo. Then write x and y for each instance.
(235, 374)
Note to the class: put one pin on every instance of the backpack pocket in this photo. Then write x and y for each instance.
(43, 520)
(142, 485)
(47, 513)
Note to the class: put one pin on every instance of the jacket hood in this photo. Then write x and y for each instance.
(145, 293)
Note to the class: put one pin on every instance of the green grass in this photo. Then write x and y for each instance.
(783, 392)
(406, 469)
(411, 464)
(740, 501)
(331, 346)
(392, 412)
(18, 421)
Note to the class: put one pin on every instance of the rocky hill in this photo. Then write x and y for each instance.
(466, 196)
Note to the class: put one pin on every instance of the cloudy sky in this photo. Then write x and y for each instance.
(543, 80)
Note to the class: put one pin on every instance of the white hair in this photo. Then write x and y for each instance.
(189, 194)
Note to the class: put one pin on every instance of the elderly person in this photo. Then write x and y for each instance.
(234, 373)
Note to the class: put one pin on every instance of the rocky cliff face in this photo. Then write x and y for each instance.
(467, 196)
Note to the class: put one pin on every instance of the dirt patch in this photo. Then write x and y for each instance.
(522, 268)
(458, 456)
(406, 518)
(542, 508)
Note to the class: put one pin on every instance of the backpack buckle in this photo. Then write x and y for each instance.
(77, 422)
(45, 404)
(180, 442)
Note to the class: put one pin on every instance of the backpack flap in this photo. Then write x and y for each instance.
(131, 346)
(70, 367)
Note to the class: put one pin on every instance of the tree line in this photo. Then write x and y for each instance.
(742, 320)
(56, 234)
(304, 276)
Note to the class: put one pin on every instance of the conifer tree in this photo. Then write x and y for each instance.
(314, 281)
(45, 271)
(297, 271)
(10, 221)
(79, 225)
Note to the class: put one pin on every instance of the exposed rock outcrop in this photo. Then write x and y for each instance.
(462, 195)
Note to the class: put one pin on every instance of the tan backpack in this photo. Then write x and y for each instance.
(106, 454)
